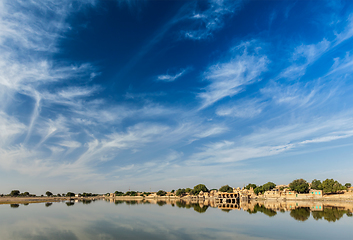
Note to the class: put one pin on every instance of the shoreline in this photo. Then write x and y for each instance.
(14, 200)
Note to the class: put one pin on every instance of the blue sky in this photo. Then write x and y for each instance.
(99, 96)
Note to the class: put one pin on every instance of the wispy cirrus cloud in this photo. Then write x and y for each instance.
(230, 77)
(273, 141)
(171, 78)
(242, 109)
(204, 20)
(302, 57)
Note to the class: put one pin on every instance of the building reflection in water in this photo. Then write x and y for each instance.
(300, 210)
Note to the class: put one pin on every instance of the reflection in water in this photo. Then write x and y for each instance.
(86, 201)
(299, 211)
(48, 204)
(14, 205)
(331, 214)
(262, 209)
(156, 219)
(300, 214)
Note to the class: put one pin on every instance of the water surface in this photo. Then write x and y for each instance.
(170, 220)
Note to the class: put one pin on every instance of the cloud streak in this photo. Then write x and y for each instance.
(171, 78)
(230, 77)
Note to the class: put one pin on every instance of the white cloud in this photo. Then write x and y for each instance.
(230, 77)
(342, 67)
(202, 23)
(243, 109)
(295, 94)
(228, 152)
(10, 128)
(171, 78)
(272, 141)
(347, 33)
(303, 56)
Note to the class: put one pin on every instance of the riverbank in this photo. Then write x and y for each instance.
(13, 200)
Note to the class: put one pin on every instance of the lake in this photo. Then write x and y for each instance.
(172, 220)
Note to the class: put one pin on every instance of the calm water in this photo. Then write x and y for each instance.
(133, 220)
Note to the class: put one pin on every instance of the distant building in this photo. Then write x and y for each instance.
(316, 193)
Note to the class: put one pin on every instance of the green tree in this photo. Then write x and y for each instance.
(173, 191)
(70, 194)
(161, 193)
(14, 193)
(118, 193)
(331, 186)
(200, 187)
(250, 185)
(268, 186)
(180, 192)
(226, 188)
(348, 185)
(188, 190)
(258, 190)
(48, 193)
(299, 185)
(316, 184)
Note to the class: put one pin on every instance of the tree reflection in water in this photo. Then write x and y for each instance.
(262, 209)
(86, 201)
(70, 204)
(48, 204)
(331, 214)
(300, 214)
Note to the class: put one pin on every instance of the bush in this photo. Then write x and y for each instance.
(299, 185)
(226, 188)
(348, 185)
(48, 194)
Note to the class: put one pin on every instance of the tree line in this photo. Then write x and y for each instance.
(298, 185)
(17, 193)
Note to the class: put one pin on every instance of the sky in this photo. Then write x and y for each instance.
(106, 95)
